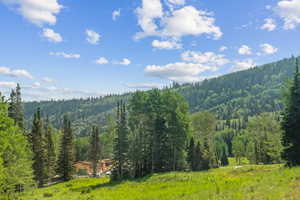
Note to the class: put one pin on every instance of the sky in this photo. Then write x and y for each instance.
(62, 49)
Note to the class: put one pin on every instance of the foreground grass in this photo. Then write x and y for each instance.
(269, 182)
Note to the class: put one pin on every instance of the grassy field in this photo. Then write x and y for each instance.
(266, 182)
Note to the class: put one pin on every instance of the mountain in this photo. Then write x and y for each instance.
(244, 93)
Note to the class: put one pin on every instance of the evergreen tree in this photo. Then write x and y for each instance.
(121, 145)
(191, 154)
(38, 148)
(16, 107)
(95, 151)
(50, 150)
(66, 157)
(291, 123)
(199, 163)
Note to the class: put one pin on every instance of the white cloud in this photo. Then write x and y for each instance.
(175, 23)
(243, 65)
(8, 84)
(289, 11)
(92, 36)
(168, 45)
(102, 61)
(150, 10)
(65, 55)
(38, 12)
(125, 61)
(52, 36)
(245, 50)
(223, 48)
(116, 14)
(268, 49)
(15, 73)
(47, 80)
(179, 72)
(144, 85)
(190, 21)
(269, 25)
(207, 58)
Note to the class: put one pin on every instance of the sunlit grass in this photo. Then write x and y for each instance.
(265, 182)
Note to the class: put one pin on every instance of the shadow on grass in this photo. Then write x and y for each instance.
(110, 184)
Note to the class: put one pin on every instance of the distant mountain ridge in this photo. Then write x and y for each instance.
(244, 93)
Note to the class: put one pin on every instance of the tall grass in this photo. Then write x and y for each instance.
(266, 182)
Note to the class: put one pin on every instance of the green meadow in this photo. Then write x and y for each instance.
(250, 182)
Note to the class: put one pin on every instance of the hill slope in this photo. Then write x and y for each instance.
(247, 182)
(244, 93)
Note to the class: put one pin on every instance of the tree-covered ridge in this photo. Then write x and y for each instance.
(244, 93)
(240, 94)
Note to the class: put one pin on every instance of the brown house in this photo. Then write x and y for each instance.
(86, 167)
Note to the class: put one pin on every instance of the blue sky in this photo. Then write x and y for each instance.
(69, 49)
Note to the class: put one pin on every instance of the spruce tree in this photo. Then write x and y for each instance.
(121, 145)
(15, 109)
(39, 154)
(191, 154)
(50, 150)
(66, 155)
(291, 123)
(95, 151)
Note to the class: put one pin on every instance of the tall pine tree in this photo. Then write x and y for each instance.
(121, 146)
(95, 151)
(50, 150)
(15, 109)
(66, 155)
(291, 123)
(39, 154)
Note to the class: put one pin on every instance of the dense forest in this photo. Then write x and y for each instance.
(233, 96)
(154, 131)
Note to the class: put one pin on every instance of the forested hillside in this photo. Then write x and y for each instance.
(235, 95)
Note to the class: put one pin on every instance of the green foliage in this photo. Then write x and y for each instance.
(15, 156)
(264, 136)
(204, 130)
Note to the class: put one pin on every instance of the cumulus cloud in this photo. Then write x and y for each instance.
(52, 36)
(269, 25)
(175, 23)
(207, 58)
(15, 73)
(179, 72)
(168, 45)
(245, 50)
(65, 55)
(268, 49)
(289, 11)
(243, 65)
(125, 61)
(116, 14)
(150, 10)
(92, 37)
(38, 12)
(190, 21)
(102, 61)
